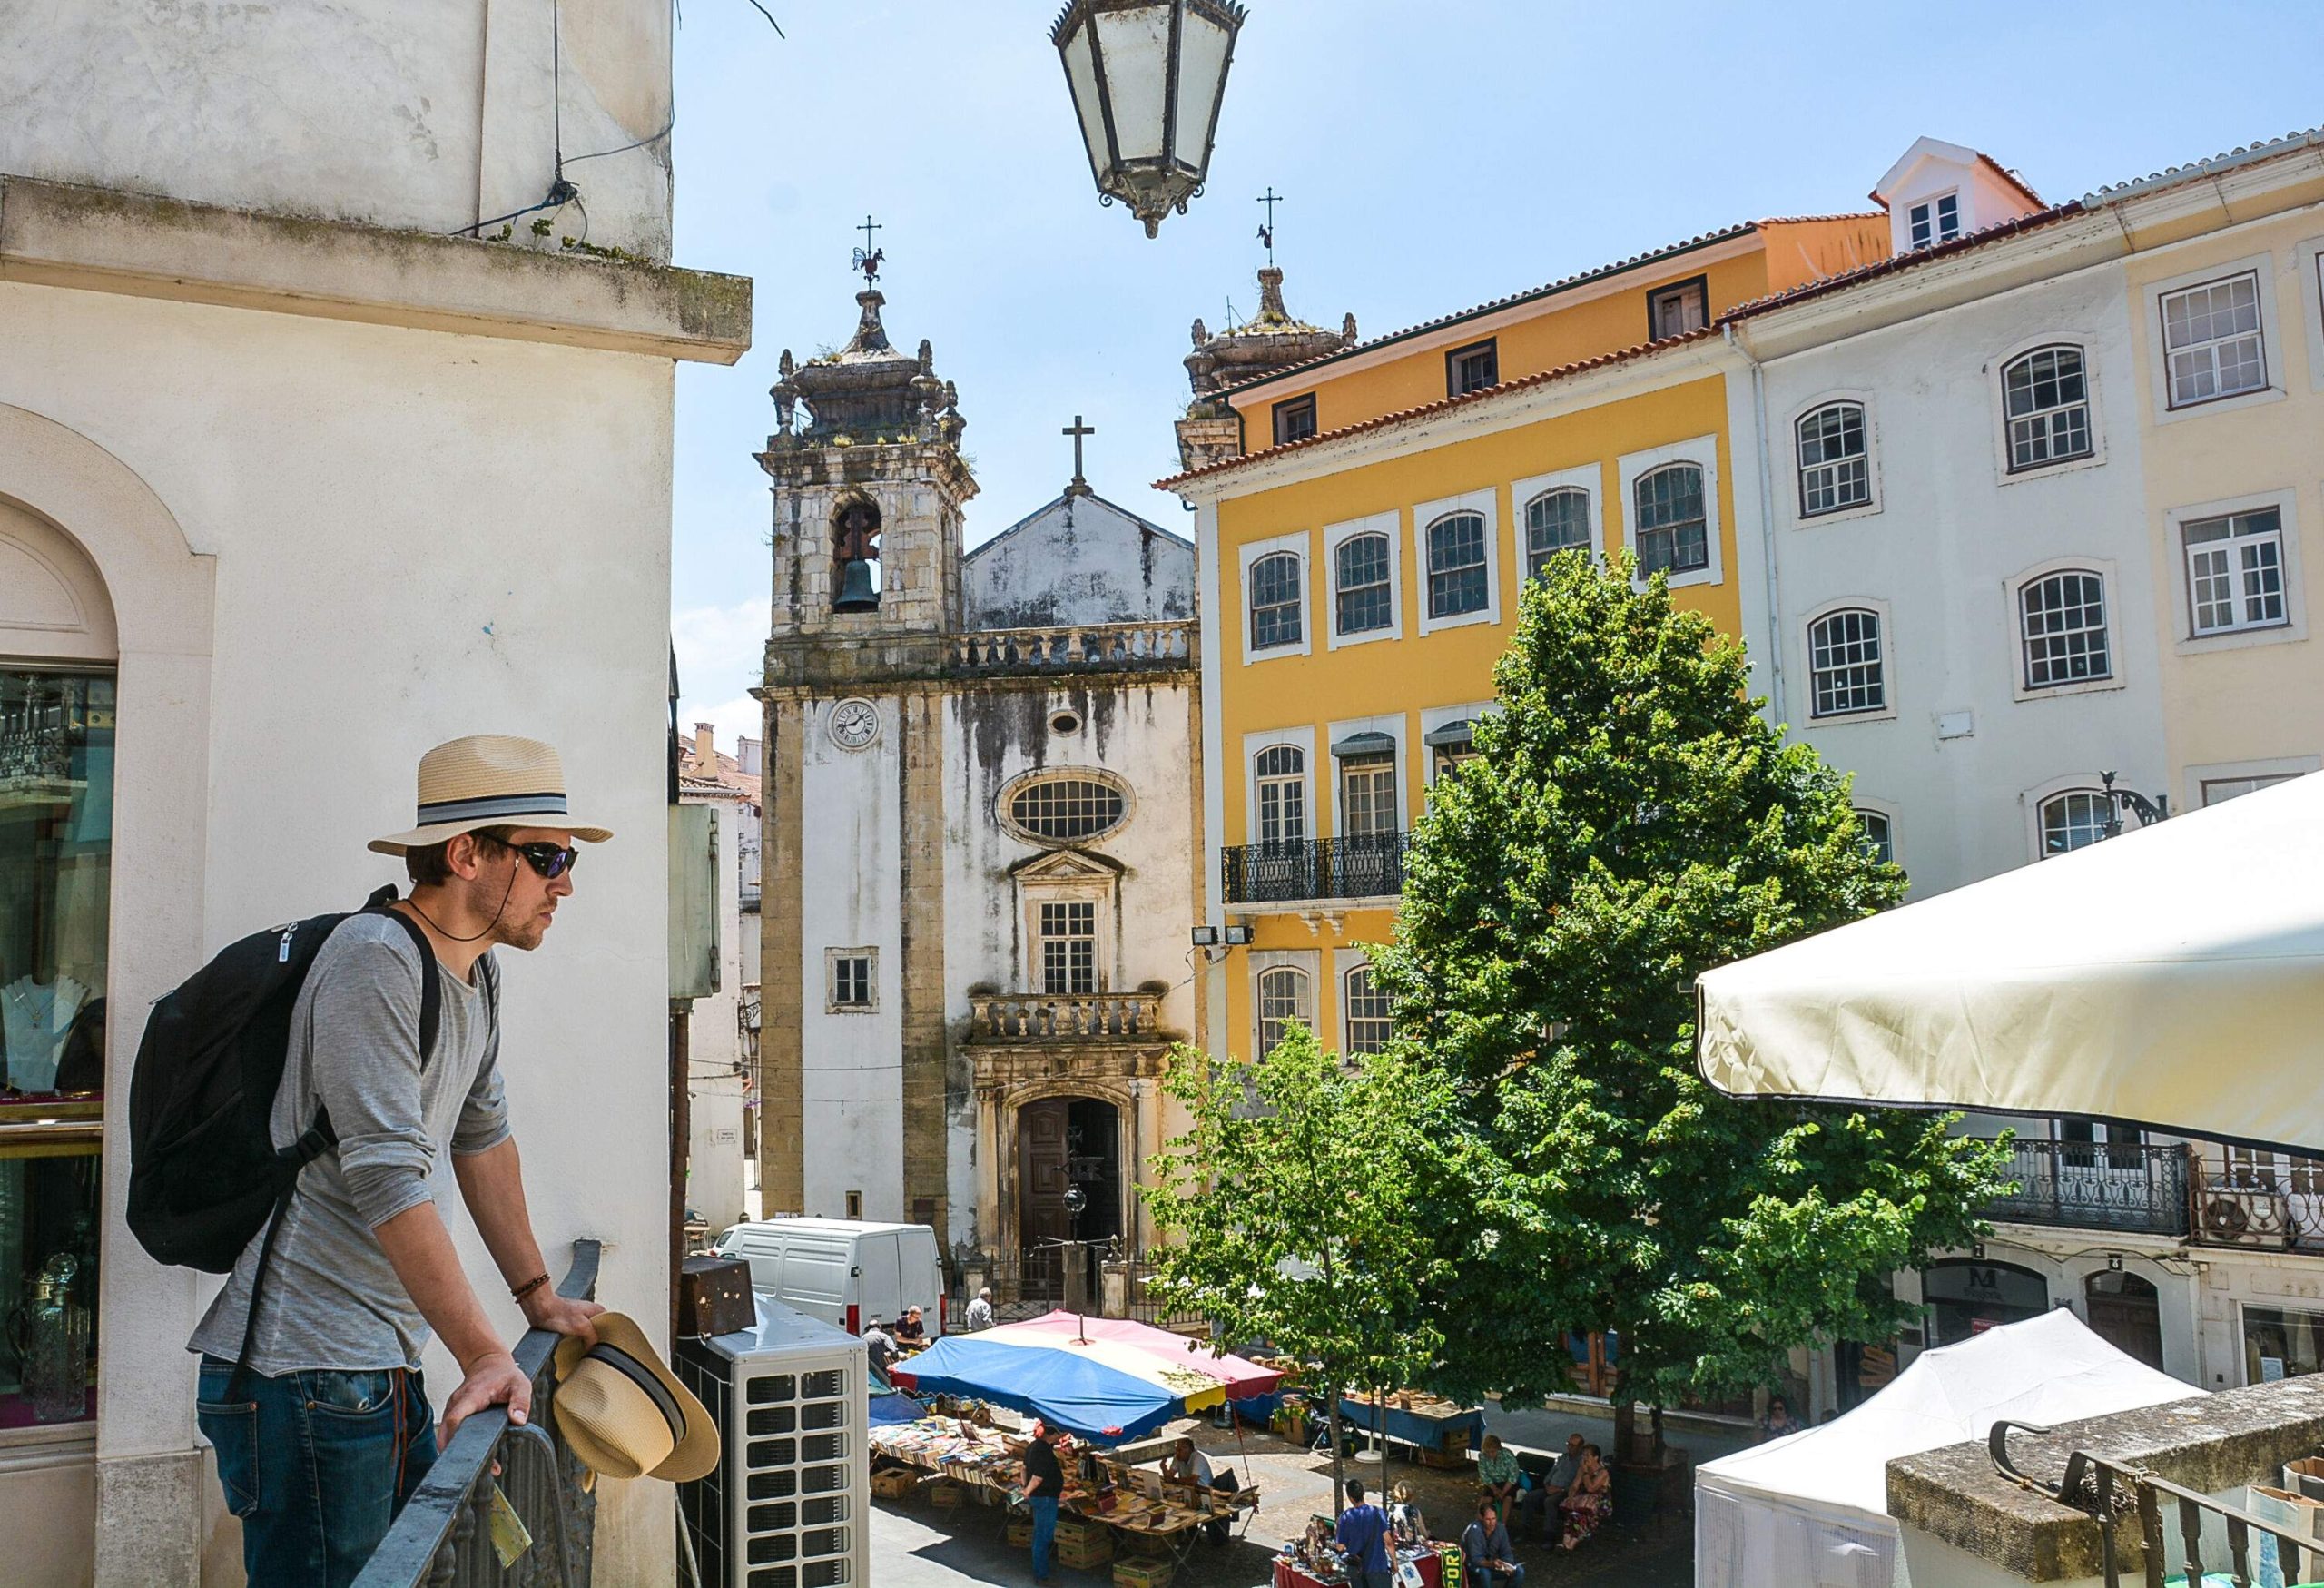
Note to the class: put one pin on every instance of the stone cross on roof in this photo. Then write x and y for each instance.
(1076, 430)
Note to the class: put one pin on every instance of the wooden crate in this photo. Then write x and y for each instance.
(1084, 1542)
(894, 1482)
(1144, 1571)
(1020, 1534)
(946, 1496)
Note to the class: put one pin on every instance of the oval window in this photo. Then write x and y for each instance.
(1066, 807)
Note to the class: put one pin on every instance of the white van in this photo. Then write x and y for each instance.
(842, 1270)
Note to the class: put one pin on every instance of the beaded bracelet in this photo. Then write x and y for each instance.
(528, 1287)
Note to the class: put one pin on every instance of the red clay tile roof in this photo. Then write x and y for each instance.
(1901, 262)
(1562, 284)
(1441, 405)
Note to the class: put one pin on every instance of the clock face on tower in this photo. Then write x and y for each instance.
(854, 723)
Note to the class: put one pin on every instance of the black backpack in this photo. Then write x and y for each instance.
(204, 1174)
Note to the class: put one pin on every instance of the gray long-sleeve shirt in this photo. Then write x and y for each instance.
(332, 1299)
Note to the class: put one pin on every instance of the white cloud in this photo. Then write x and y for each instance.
(720, 651)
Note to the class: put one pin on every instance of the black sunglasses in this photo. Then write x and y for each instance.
(550, 860)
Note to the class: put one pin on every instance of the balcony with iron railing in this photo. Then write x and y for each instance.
(2260, 1200)
(1034, 1017)
(2133, 1188)
(444, 1536)
(1290, 870)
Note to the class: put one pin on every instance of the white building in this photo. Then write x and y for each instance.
(1965, 603)
(279, 445)
(722, 1042)
(979, 853)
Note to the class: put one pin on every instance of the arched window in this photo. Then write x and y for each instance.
(1366, 600)
(1879, 838)
(2073, 820)
(1845, 670)
(1365, 1007)
(2062, 625)
(1556, 520)
(1280, 772)
(1968, 1296)
(1065, 807)
(1283, 998)
(1835, 464)
(1672, 532)
(2045, 404)
(1456, 565)
(1274, 601)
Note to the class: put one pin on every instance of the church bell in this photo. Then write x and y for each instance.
(855, 591)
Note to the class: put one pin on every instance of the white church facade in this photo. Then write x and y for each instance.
(980, 789)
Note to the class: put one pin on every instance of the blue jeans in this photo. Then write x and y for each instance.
(315, 1464)
(1486, 1577)
(1044, 1533)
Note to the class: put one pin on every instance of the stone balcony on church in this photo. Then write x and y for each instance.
(1038, 1019)
(1098, 647)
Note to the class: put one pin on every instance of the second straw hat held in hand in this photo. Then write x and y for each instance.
(623, 1411)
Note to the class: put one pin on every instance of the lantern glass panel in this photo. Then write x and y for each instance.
(1136, 48)
(1202, 74)
(1081, 75)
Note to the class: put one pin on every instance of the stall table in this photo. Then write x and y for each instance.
(1290, 1573)
(1427, 1423)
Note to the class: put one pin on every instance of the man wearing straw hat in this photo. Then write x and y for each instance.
(326, 1430)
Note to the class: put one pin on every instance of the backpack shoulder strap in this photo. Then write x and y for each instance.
(431, 990)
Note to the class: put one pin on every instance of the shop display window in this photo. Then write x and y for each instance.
(2279, 1343)
(56, 749)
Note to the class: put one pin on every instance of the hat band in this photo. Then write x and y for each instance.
(637, 1372)
(436, 812)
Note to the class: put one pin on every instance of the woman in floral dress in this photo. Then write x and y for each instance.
(1591, 1502)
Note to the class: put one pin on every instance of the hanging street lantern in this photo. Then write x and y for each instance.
(1147, 78)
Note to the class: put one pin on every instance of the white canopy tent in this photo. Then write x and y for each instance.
(1811, 1510)
(2128, 980)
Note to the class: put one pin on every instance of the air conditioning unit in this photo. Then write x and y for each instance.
(2245, 1216)
(788, 1504)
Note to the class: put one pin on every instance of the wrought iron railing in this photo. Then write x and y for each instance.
(1095, 647)
(2081, 1185)
(2262, 1200)
(1093, 1277)
(1085, 1017)
(443, 1536)
(2113, 1494)
(1369, 865)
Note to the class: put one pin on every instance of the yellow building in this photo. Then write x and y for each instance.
(2227, 310)
(1360, 565)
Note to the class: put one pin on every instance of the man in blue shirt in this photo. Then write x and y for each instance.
(1488, 1558)
(1362, 1532)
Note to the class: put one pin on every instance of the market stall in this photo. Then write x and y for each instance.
(1316, 1561)
(1104, 1501)
(1441, 1431)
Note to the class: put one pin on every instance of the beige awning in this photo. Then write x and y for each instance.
(2172, 977)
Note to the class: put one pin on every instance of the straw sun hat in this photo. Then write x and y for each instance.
(624, 1414)
(489, 780)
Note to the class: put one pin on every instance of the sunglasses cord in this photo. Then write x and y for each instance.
(488, 925)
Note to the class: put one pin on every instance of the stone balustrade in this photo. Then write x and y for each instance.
(1086, 1017)
(1098, 647)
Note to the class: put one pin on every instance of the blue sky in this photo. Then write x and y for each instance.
(1433, 155)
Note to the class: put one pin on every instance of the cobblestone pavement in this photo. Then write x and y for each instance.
(916, 1546)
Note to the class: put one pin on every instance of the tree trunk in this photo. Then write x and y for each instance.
(1656, 1410)
(1339, 1476)
(1625, 1428)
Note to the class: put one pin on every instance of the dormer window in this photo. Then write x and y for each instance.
(1473, 368)
(1295, 421)
(1677, 308)
(1936, 220)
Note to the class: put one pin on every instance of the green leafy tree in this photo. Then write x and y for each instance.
(1630, 821)
(1288, 1212)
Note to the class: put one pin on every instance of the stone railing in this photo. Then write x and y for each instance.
(1085, 1017)
(1102, 647)
(443, 1537)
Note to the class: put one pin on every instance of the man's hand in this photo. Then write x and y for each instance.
(493, 1379)
(545, 1309)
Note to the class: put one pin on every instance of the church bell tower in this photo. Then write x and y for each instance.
(868, 486)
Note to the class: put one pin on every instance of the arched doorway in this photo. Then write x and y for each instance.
(1068, 1194)
(2126, 1312)
(1968, 1295)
